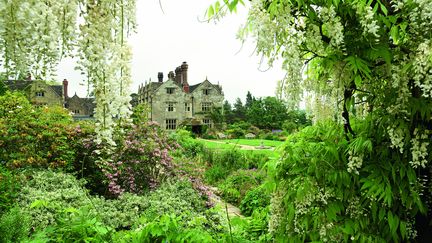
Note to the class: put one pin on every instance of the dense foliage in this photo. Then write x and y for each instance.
(269, 113)
(370, 62)
(139, 162)
(46, 135)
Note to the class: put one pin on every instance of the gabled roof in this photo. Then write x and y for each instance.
(17, 84)
(161, 83)
(23, 84)
(88, 102)
(194, 87)
(58, 89)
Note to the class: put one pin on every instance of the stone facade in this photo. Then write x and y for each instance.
(38, 92)
(174, 102)
(41, 93)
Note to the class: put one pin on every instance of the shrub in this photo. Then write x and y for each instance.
(331, 188)
(167, 228)
(9, 188)
(47, 194)
(215, 174)
(234, 188)
(139, 162)
(75, 225)
(177, 198)
(14, 226)
(188, 145)
(255, 199)
(44, 134)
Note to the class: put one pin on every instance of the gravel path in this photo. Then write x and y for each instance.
(233, 211)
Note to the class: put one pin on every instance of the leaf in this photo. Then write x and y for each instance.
(394, 33)
(402, 228)
(383, 8)
(39, 204)
(381, 214)
(358, 80)
(210, 12)
(393, 222)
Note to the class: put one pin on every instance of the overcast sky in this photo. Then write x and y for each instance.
(164, 40)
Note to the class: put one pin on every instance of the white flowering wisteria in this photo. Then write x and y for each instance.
(35, 35)
(105, 58)
(353, 57)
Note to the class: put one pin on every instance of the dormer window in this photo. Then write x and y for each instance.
(170, 90)
(206, 91)
(40, 94)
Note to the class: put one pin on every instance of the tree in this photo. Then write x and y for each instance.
(371, 62)
(228, 113)
(239, 111)
(267, 113)
(249, 100)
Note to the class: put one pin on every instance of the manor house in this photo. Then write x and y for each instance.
(174, 102)
(41, 93)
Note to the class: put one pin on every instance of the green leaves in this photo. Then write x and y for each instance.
(358, 66)
(393, 222)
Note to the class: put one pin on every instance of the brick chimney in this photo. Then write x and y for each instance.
(184, 68)
(178, 75)
(65, 88)
(160, 77)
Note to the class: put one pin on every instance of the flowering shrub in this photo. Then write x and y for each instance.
(139, 162)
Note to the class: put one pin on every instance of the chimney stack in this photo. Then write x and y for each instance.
(160, 77)
(184, 69)
(171, 75)
(65, 88)
(178, 75)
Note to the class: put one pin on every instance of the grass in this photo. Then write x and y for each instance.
(217, 145)
(230, 144)
(254, 142)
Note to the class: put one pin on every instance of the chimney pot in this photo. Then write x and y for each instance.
(160, 77)
(171, 75)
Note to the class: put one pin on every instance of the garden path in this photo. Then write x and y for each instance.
(233, 211)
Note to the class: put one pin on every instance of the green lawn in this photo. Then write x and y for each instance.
(254, 142)
(229, 144)
(217, 145)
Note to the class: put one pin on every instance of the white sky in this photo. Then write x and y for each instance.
(164, 40)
